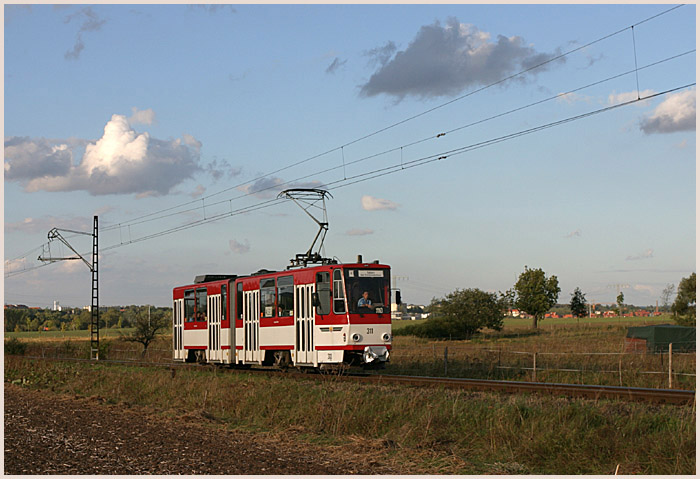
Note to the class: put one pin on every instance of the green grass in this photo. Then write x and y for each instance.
(80, 334)
(421, 430)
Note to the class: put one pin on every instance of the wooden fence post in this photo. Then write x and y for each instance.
(534, 366)
(620, 370)
(670, 365)
(445, 361)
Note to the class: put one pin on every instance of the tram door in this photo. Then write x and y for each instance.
(178, 349)
(251, 325)
(214, 327)
(304, 325)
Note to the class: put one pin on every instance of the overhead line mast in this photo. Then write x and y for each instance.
(55, 234)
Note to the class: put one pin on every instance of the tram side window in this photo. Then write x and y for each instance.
(267, 297)
(285, 301)
(201, 300)
(224, 301)
(239, 300)
(323, 287)
(189, 305)
(338, 292)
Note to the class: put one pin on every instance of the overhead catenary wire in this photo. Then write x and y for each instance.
(400, 148)
(395, 168)
(413, 117)
(377, 173)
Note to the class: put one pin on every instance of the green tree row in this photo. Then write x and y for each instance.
(464, 312)
(75, 319)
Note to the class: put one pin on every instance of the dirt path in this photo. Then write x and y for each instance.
(50, 434)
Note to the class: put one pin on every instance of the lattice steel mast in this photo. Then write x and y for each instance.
(55, 234)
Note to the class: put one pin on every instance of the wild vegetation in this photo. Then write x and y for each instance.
(423, 430)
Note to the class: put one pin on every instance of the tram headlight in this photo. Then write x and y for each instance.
(386, 337)
(356, 337)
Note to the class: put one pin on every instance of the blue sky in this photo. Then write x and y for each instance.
(185, 112)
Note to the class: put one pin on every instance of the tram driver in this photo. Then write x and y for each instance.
(365, 302)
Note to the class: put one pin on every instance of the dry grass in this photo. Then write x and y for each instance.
(579, 354)
(420, 430)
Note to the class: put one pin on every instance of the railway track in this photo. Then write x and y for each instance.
(662, 396)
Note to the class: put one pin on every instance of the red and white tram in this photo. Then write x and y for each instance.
(308, 317)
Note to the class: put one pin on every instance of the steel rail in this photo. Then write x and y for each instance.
(668, 396)
(588, 391)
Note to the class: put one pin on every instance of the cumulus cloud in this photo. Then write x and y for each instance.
(121, 162)
(574, 234)
(90, 23)
(26, 158)
(676, 113)
(444, 60)
(143, 117)
(645, 255)
(370, 203)
(616, 98)
(240, 248)
(359, 232)
(380, 56)
(337, 63)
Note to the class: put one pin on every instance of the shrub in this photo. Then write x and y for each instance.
(15, 346)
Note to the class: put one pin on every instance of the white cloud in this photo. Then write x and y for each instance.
(359, 232)
(239, 248)
(121, 162)
(145, 117)
(369, 203)
(13, 265)
(46, 223)
(616, 98)
(573, 97)
(676, 113)
(645, 255)
(263, 188)
(266, 188)
(445, 60)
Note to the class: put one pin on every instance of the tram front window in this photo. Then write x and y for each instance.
(374, 282)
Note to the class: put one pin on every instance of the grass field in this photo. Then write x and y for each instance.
(421, 430)
(58, 335)
(590, 352)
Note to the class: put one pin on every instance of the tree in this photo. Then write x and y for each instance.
(146, 328)
(460, 314)
(578, 305)
(620, 301)
(536, 293)
(684, 305)
(666, 295)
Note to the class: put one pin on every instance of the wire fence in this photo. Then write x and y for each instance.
(666, 369)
